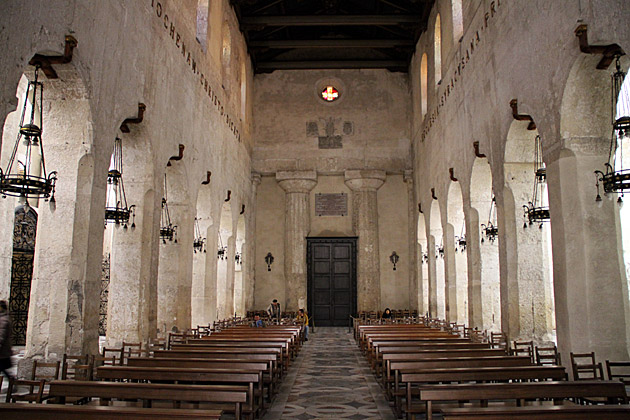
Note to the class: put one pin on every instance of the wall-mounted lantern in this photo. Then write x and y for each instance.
(269, 260)
(394, 259)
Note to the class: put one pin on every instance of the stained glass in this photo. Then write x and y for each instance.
(330, 93)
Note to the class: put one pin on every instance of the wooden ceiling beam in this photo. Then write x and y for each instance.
(333, 43)
(337, 64)
(328, 20)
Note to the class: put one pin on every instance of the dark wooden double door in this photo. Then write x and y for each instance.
(332, 280)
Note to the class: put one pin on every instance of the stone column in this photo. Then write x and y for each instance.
(413, 240)
(297, 186)
(590, 286)
(450, 274)
(473, 254)
(364, 184)
(132, 300)
(249, 257)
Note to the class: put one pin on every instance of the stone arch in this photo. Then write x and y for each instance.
(225, 272)
(175, 267)
(226, 55)
(458, 263)
(481, 197)
(437, 50)
(586, 272)
(530, 280)
(423, 266)
(60, 275)
(132, 295)
(203, 294)
(437, 285)
(239, 273)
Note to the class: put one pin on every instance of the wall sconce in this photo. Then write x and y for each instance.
(394, 259)
(269, 260)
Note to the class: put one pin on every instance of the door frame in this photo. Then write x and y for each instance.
(352, 240)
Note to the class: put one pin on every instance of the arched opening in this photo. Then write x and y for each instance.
(243, 92)
(482, 200)
(587, 242)
(24, 232)
(203, 8)
(225, 287)
(226, 56)
(60, 274)
(622, 162)
(175, 266)
(423, 269)
(239, 281)
(458, 20)
(532, 286)
(457, 224)
(436, 254)
(437, 52)
(424, 74)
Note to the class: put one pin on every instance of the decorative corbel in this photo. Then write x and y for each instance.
(420, 208)
(45, 62)
(609, 52)
(477, 153)
(124, 127)
(242, 209)
(521, 117)
(433, 193)
(179, 156)
(229, 195)
(451, 172)
(207, 181)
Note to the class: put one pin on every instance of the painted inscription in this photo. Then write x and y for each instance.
(331, 204)
(188, 56)
(471, 47)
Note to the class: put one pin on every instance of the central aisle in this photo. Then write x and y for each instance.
(330, 379)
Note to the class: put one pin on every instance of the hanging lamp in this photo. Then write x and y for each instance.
(536, 211)
(116, 210)
(198, 241)
(616, 179)
(25, 175)
(489, 230)
(221, 250)
(167, 230)
(460, 241)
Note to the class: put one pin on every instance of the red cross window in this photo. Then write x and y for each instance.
(330, 94)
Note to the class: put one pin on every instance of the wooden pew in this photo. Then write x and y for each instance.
(522, 373)
(450, 362)
(375, 359)
(105, 391)
(265, 366)
(412, 355)
(249, 377)
(555, 412)
(612, 390)
(18, 411)
(283, 347)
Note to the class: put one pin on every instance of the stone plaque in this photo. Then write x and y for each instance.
(330, 142)
(331, 204)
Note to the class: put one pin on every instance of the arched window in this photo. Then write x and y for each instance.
(458, 20)
(423, 83)
(438, 50)
(243, 90)
(203, 7)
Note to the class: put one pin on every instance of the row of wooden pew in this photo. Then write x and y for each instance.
(425, 370)
(237, 370)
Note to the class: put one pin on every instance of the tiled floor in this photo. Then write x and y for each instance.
(330, 379)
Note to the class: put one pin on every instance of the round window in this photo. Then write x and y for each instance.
(330, 93)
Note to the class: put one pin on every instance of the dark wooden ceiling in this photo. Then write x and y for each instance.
(331, 34)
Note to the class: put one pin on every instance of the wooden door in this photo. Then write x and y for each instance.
(332, 280)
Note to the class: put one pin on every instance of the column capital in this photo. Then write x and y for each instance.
(365, 180)
(408, 176)
(256, 178)
(297, 181)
